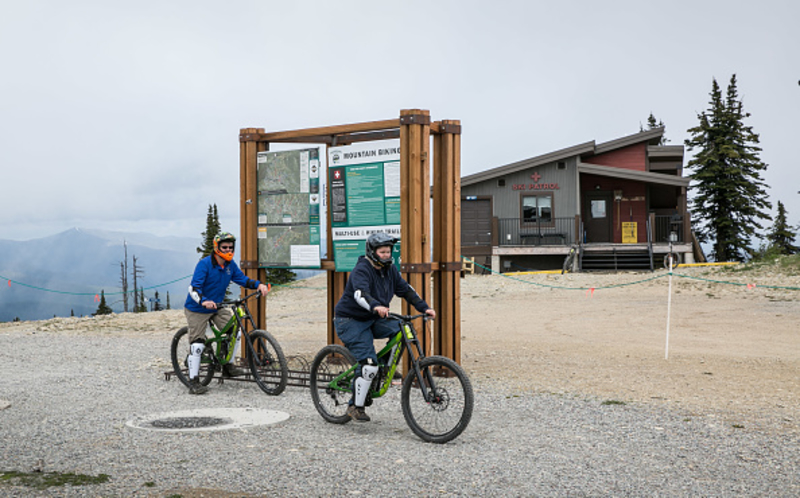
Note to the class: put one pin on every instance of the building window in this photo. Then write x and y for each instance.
(501, 182)
(537, 209)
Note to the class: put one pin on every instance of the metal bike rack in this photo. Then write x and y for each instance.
(299, 373)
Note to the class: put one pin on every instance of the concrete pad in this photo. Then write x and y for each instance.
(207, 419)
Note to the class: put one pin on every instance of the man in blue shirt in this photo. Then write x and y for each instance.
(212, 276)
(361, 314)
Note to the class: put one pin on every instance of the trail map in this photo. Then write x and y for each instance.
(289, 202)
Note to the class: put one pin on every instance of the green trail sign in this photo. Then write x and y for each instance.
(364, 184)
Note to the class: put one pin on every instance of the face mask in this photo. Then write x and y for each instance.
(227, 256)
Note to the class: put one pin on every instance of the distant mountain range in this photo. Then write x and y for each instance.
(60, 275)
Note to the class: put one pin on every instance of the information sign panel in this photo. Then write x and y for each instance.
(289, 199)
(629, 232)
(365, 197)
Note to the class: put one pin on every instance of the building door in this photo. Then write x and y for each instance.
(597, 216)
(476, 230)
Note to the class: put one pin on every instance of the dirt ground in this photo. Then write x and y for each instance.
(733, 348)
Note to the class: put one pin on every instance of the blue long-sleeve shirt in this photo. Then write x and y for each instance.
(210, 281)
(368, 287)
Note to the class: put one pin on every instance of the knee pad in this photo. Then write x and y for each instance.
(193, 361)
(369, 372)
(362, 384)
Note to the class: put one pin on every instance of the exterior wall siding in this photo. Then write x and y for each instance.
(632, 158)
(507, 199)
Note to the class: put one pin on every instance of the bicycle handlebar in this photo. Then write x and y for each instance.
(237, 302)
(408, 318)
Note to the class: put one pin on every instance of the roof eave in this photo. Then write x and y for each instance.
(627, 174)
(575, 150)
(619, 143)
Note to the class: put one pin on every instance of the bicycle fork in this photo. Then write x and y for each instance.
(425, 381)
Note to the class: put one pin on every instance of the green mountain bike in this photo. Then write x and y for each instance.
(436, 394)
(264, 355)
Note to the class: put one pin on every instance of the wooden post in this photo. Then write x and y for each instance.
(249, 146)
(415, 207)
(447, 240)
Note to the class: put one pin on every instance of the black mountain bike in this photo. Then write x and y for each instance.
(569, 261)
(264, 355)
(436, 394)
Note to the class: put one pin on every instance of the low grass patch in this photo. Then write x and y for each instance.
(44, 480)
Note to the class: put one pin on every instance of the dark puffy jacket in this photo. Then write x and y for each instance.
(369, 287)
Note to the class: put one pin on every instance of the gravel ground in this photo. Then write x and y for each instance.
(70, 395)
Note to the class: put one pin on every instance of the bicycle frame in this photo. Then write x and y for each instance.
(240, 312)
(407, 335)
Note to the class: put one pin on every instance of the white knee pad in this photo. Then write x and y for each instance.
(368, 372)
(193, 362)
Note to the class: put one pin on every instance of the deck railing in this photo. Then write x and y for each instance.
(664, 224)
(556, 232)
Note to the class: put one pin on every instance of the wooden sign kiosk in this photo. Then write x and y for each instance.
(414, 129)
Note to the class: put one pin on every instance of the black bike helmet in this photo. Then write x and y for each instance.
(375, 241)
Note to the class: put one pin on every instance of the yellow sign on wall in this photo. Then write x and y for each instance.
(629, 232)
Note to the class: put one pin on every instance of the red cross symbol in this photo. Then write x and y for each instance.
(337, 174)
(535, 176)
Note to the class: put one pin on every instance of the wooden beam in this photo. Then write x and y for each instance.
(322, 131)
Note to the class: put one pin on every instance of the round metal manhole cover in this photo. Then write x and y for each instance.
(209, 419)
(189, 422)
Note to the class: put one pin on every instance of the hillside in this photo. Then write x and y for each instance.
(61, 274)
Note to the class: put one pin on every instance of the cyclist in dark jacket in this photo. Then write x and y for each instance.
(212, 276)
(361, 314)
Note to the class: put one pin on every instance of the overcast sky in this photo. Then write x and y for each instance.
(125, 115)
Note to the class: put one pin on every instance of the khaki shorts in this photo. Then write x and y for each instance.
(198, 322)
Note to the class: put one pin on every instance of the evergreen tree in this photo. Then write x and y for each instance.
(157, 303)
(781, 237)
(653, 123)
(142, 306)
(730, 196)
(280, 275)
(103, 308)
(211, 231)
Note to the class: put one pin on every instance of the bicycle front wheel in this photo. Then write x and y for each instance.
(446, 412)
(180, 351)
(331, 401)
(267, 363)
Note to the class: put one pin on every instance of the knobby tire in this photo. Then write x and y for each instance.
(331, 361)
(179, 352)
(447, 414)
(267, 362)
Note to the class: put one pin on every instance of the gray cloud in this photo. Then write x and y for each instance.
(127, 115)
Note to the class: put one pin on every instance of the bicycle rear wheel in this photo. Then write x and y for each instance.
(267, 363)
(568, 262)
(180, 350)
(447, 411)
(331, 403)
(675, 257)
